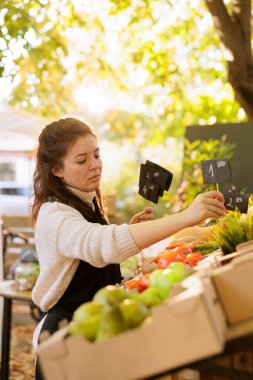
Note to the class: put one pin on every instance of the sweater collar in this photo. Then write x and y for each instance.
(84, 195)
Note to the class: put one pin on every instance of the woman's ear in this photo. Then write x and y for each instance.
(57, 172)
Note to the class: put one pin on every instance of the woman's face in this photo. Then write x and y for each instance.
(82, 165)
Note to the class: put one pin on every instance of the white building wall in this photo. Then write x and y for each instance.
(24, 168)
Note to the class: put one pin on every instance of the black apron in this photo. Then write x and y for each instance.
(85, 283)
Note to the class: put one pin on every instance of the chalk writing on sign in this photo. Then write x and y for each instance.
(235, 201)
(216, 171)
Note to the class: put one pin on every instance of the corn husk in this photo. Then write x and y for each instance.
(231, 230)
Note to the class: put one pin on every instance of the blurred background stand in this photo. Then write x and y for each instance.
(18, 234)
(110, 206)
(1, 279)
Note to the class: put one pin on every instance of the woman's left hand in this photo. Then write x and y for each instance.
(143, 216)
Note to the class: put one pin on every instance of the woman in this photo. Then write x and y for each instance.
(79, 252)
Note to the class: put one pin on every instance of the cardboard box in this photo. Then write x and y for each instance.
(189, 327)
(234, 286)
(246, 246)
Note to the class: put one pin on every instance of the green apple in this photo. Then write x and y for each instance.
(164, 279)
(134, 312)
(87, 328)
(154, 278)
(167, 279)
(150, 297)
(86, 320)
(111, 323)
(183, 269)
(110, 295)
(87, 310)
(133, 295)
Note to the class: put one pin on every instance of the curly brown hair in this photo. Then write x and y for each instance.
(54, 143)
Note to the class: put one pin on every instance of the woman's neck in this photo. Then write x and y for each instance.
(86, 196)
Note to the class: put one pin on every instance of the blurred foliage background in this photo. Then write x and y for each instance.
(140, 71)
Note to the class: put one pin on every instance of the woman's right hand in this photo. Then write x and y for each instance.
(205, 205)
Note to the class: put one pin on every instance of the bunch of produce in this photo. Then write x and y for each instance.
(231, 230)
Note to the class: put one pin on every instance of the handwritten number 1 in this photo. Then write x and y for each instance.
(211, 170)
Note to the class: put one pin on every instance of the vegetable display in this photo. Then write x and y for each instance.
(115, 309)
(231, 230)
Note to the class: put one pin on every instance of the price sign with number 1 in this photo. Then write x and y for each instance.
(216, 171)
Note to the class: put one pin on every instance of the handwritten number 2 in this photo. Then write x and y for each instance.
(230, 202)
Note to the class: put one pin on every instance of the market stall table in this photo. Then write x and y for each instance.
(207, 321)
(9, 293)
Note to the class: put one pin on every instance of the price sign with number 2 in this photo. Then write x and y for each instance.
(236, 201)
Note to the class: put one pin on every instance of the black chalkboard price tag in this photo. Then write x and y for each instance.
(154, 175)
(236, 201)
(149, 190)
(154, 179)
(165, 175)
(216, 171)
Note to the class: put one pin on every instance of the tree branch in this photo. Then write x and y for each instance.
(221, 18)
(241, 14)
(234, 31)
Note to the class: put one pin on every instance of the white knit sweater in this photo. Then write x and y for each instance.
(63, 238)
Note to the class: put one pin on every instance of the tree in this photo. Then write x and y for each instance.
(163, 55)
(158, 61)
(33, 46)
(233, 25)
(173, 53)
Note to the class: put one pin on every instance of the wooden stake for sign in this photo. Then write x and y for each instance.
(148, 204)
(141, 255)
(153, 180)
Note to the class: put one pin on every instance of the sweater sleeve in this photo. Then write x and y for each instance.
(96, 244)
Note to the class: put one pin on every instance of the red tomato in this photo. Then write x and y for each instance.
(193, 258)
(143, 283)
(184, 249)
(132, 284)
(138, 283)
(170, 257)
(156, 258)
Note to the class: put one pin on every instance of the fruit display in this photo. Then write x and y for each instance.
(174, 334)
(115, 309)
(111, 312)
